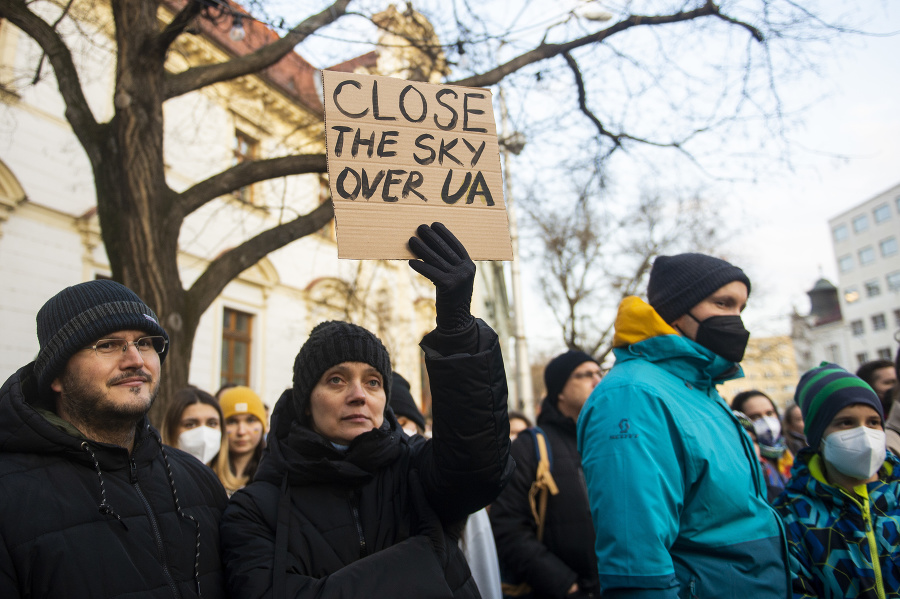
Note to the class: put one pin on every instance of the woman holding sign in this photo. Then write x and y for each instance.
(343, 503)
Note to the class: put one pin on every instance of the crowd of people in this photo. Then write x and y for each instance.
(639, 483)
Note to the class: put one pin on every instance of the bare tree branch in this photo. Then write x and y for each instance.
(197, 77)
(247, 173)
(236, 260)
(616, 138)
(177, 25)
(78, 113)
(545, 51)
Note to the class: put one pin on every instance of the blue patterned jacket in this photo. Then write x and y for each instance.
(833, 536)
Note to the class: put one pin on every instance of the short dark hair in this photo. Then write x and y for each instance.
(741, 398)
(867, 371)
(514, 415)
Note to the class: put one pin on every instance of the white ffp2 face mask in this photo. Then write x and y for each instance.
(768, 429)
(857, 453)
(202, 442)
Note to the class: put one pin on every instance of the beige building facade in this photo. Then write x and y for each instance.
(50, 237)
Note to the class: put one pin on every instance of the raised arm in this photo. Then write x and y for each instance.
(466, 464)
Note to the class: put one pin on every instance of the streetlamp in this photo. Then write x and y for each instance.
(513, 142)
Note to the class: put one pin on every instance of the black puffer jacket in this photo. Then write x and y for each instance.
(319, 523)
(82, 519)
(567, 552)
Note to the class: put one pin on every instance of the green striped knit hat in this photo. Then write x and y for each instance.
(823, 392)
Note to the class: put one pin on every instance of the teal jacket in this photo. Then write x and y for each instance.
(677, 495)
(833, 536)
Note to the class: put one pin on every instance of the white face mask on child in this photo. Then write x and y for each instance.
(857, 453)
(202, 442)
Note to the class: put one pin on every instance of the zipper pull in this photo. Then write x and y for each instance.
(133, 471)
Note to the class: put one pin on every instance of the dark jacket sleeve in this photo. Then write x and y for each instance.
(466, 464)
(522, 556)
(409, 568)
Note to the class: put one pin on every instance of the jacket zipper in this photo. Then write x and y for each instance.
(354, 511)
(873, 544)
(154, 525)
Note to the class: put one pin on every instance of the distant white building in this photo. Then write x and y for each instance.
(859, 319)
(866, 242)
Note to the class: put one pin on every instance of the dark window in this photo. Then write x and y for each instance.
(237, 335)
(879, 322)
(856, 327)
(245, 149)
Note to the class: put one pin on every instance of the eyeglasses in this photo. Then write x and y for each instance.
(118, 347)
(587, 375)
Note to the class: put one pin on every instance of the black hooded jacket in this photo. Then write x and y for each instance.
(84, 519)
(316, 522)
(567, 552)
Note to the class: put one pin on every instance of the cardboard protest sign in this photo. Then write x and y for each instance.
(402, 154)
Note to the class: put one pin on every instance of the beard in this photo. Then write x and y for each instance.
(89, 402)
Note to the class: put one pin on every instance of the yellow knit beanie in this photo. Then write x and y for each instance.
(243, 400)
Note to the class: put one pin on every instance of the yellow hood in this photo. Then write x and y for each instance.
(637, 321)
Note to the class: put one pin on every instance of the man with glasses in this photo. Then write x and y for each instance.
(91, 505)
(561, 562)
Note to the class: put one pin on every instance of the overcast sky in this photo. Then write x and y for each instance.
(848, 151)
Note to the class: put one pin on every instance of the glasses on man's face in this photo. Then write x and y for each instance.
(590, 374)
(118, 347)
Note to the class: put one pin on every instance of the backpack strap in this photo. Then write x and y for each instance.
(541, 488)
(544, 485)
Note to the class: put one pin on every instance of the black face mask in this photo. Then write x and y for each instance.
(723, 335)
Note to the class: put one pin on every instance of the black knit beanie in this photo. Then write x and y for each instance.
(402, 402)
(560, 368)
(81, 314)
(331, 343)
(826, 390)
(678, 283)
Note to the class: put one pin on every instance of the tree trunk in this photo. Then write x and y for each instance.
(138, 213)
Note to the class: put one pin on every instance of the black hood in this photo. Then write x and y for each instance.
(23, 429)
(295, 450)
(551, 416)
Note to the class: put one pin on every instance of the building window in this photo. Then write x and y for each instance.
(884, 353)
(851, 294)
(237, 331)
(845, 263)
(888, 246)
(833, 354)
(879, 322)
(245, 149)
(856, 327)
(866, 255)
(897, 318)
(882, 213)
(872, 288)
(862, 358)
(860, 223)
(893, 281)
(840, 233)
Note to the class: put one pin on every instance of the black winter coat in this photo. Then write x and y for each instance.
(319, 523)
(567, 552)
(86, 520)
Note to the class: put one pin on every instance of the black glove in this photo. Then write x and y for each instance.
(444, 261)
(425, 521)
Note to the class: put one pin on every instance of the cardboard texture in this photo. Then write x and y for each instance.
(402, 154)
